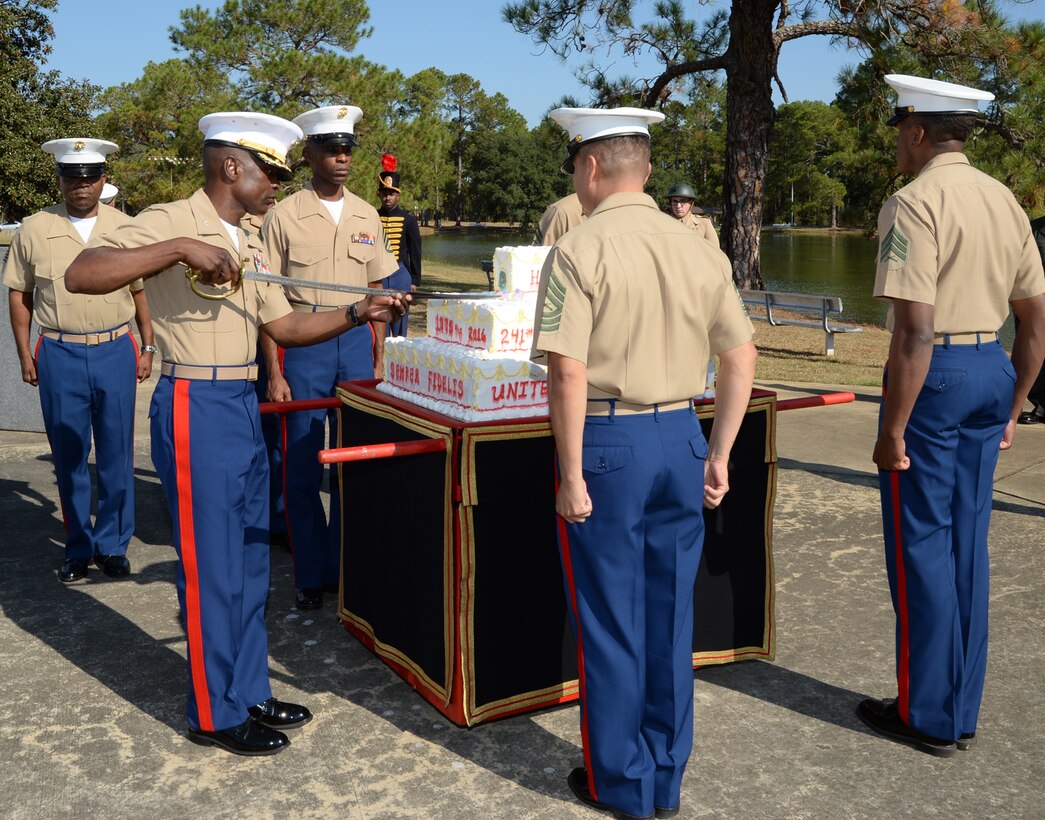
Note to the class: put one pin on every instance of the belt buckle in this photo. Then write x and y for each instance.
(92, 338)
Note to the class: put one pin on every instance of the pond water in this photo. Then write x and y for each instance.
(830, 265)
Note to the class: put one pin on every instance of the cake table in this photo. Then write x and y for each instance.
(450, 567)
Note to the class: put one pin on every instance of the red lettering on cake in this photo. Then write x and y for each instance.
(476, 334)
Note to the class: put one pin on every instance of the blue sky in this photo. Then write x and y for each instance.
(110, 41)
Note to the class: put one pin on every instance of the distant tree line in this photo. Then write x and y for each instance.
(465, 155)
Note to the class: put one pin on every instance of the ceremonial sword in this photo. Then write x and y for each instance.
(292, 281)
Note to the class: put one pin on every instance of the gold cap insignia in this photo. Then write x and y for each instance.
(578, 138)
(387, 180)
(79, 145)
(342, 113)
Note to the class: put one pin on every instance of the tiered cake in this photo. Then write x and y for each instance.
(474, 363)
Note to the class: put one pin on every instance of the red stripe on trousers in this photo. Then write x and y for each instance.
(186, 526)
(567, 567)
(903, 679)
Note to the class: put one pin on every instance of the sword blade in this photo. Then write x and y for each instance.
(291, 281)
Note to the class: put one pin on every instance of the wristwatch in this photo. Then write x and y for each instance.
(354, 316)
(148, 348)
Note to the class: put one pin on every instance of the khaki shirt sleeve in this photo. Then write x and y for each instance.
(18, 272)
(1030, 279)
(275, 242)
(731, 327)
(564, 310)
(150, 226)
(907, 266)
(273, 303)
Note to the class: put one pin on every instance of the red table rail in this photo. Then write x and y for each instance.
(364, 452)
(815, 401)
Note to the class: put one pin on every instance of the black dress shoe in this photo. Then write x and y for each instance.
(279, 715)
(249, 738)
(578, 783)
(115, 566)
(309, 599)
(1029, 417)
(884, 717)
(659, 812)
(965, 741)
(73, 569)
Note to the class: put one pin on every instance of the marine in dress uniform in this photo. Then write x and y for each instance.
(558, 218)
(207, 444)
(681, 198)
(955, 249)
(632, 306)
(86, 363)
(404, 237)
(325, 234)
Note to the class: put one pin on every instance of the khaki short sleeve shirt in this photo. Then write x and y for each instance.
(303, 242)
(641, 300)
(702, 225)
(43, 248)
(956, 238)
(191, 329)
(558, 218)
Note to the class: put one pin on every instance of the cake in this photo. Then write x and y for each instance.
(474, 363)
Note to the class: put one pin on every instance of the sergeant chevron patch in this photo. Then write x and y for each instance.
(554, 299)
(894, 246)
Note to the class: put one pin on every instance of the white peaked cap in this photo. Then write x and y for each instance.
(267, 137)
(586, 125)
(330, 122)
(920, 95)
(80, 156)
(109, 192)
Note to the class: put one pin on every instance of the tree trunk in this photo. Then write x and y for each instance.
(751, 62)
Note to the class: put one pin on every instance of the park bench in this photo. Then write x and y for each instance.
(487, 265)
(823, 306)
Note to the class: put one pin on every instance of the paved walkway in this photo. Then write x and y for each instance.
(94, 675)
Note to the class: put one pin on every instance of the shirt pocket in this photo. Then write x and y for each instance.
(305, 260)
(50, 281)
(599, 459)
(363, 252)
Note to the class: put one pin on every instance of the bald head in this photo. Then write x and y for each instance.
(214, 157)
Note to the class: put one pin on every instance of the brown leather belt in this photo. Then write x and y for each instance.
(304, 307)
(217, 373)
(965, 338)
(87, 338)
(615, 407)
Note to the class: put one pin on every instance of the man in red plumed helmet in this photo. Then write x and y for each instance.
(404, 237)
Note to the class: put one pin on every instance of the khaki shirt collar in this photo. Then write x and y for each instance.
(624, 200)
(947, 158)
(311, 205)
(62, 226)
(208, 223)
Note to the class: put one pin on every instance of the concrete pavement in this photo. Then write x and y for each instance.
(91, 716)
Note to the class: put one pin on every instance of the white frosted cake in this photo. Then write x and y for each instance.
(503, 325)
(519, 269)
(474, 364)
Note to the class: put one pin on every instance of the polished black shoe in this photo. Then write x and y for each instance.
(115, 566)
(1030, 417)
(309, 599)
(249, 738)
(659, 812)
(279, 715)
(577, 780)
(966, 741)
(73, 569)
(884, 718)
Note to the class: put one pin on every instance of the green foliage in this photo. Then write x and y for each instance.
(35, 106)
(512, 177)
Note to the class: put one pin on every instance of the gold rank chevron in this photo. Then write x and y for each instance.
(554, 299)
